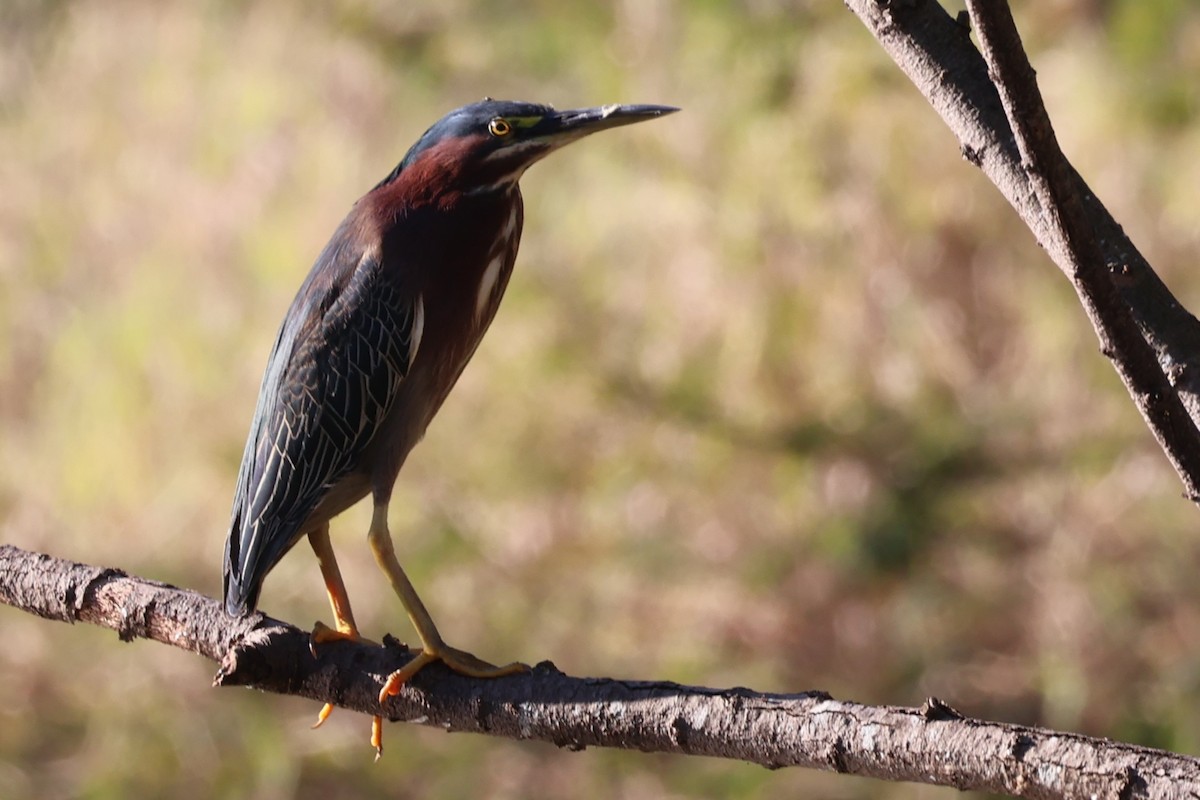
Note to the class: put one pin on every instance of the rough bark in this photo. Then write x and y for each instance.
(933, 744)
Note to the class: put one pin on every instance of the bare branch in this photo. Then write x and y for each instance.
(933, 744)
(1057, 189)
(936, 53)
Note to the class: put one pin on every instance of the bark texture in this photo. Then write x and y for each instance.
(932, 744)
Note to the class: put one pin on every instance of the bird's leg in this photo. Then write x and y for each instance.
(339, 601)
(343, 618)
(432, 646)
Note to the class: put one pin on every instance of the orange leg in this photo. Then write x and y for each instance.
(335, 587)
(343, 618)
(432, 646)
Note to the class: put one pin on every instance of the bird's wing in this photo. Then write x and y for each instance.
(343, 350)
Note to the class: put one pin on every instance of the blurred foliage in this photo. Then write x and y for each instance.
(782, 395)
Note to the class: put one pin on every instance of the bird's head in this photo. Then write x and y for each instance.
(487, 146)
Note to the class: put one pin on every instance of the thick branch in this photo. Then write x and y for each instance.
(933, 744)
(936, 53)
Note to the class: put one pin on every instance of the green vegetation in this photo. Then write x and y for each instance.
(783, 394)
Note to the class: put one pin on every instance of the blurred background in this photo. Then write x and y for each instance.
(782, 394)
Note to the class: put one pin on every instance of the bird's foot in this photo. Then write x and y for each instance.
(459, 661)
(323, 634)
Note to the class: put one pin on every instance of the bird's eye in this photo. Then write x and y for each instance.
(499, 127)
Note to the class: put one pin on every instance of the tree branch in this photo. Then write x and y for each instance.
(933, 744)
(1070, 223)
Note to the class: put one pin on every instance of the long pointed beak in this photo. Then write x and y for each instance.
(566, 126)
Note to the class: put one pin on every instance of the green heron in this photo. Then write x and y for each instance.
(378, 334)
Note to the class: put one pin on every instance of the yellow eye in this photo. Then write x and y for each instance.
(499, 127)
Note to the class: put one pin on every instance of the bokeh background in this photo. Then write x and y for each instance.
(782, 395)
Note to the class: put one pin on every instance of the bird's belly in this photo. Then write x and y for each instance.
(343, 494)
(420, 395)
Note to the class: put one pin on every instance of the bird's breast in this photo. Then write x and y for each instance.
(465, 286)
(500, 260)
(466, 258)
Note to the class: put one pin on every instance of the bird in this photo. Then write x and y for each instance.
(389, 315)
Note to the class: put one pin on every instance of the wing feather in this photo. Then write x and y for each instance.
(332, 377)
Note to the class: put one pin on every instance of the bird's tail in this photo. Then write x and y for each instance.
(241, 598)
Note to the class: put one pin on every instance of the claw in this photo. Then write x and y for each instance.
(394, 682)
(323, 715)
(323, 634)
(377, 735)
